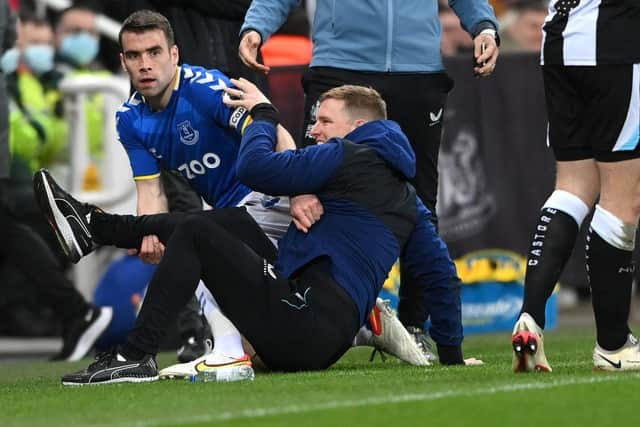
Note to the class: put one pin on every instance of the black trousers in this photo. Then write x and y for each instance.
(25, 250)
(304, 323)
(417, 103)
(182, 198)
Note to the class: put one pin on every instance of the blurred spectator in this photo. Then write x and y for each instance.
(522, 26)
(7, 40)
(77, 47)
(77, 40)
(25, 260)
(455, 39)
(36, 133)
(31, 82)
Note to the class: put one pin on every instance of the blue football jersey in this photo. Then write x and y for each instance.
(196, 134)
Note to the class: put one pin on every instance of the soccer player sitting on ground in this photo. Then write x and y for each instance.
(304, 313)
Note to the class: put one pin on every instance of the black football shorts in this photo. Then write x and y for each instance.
(594, 111)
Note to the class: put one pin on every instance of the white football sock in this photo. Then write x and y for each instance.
(227, 339)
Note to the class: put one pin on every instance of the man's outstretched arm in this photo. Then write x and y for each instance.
(290, 172)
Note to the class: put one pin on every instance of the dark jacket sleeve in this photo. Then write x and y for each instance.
(426, 259)
(288, 172)
(8, 34)
(8, 27)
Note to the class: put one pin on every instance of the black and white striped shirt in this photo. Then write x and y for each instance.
(591, 32)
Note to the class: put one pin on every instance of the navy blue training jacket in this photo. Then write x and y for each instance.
(369, 208)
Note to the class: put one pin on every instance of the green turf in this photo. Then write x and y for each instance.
(354, 392)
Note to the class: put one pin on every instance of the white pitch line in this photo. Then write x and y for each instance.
(371, 401)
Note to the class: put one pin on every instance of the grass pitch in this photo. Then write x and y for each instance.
(353, 392)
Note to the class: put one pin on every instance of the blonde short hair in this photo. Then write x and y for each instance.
(359, 101)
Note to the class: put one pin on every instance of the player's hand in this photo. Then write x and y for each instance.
(245, 94)
(485, 51)
(248, 51)
(305, 209)
(472, 361)
(151, 250)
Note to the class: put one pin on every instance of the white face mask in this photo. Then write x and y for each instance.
(39, 58)
(81, 48)
(9, 60)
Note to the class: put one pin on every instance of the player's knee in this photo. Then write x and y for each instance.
(614, 230)
(569, 203)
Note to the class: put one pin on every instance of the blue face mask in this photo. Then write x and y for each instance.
(81, 48)
(39, 58)
(9, 60)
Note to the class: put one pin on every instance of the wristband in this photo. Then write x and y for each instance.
(267, 112)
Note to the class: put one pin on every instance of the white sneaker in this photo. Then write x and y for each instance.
(211, 367)
(181, 370)
(627, 358)
(528, 346)
(389, 335)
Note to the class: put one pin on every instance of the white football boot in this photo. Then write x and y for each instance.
(211, 367)
(390, 336)
(626, 358)
(528, 346)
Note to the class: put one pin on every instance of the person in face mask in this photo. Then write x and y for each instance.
(35, 129)
(77, 46)
(77, 40)
(30, 270)
(34, 49)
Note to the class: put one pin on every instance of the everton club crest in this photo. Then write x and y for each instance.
(188, 135)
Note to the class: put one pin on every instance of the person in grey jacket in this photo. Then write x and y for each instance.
(394, 47)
